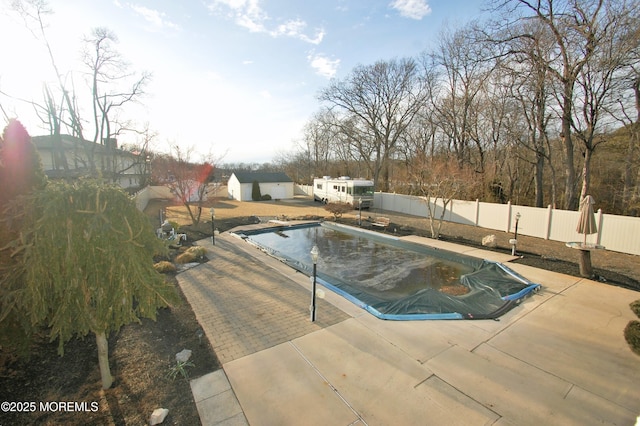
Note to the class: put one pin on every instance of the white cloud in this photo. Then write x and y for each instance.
(250, 15)
(295, 29)
(246, 13)
(265, 94)
(414, 9)
(317, 39)
(324, 66)
(155, 17)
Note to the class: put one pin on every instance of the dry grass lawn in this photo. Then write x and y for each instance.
(227, 209)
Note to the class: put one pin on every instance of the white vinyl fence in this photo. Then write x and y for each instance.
(303, 190)
(147, 193)
(616, 233)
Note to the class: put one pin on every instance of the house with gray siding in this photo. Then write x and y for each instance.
(69, 157)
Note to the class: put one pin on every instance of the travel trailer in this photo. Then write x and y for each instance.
(357, 192)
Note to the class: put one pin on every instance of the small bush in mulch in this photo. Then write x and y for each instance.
(192, 254)
(632, 330)
(164, 267)
(338, 209)
(632, 336)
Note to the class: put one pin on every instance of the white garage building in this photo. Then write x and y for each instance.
(278, 185)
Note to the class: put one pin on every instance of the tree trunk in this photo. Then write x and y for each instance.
(628, 191)
(385, 171)
(629, 165)
(570, 202)
(441, 218)
(431, 211)
(539, 182)
(586, 173)
(103, 360)
(191, 214)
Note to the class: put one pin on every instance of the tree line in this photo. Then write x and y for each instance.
(538, 105)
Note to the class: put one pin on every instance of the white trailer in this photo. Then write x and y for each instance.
(357, 192)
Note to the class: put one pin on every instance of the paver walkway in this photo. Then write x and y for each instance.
(245, 306)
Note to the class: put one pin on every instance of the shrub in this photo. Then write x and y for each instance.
(635, 307)
(632, 335)
(186, 258)
(198, 251)
(266, 197)
(164, 267)
(192, 254)
(255, 191)
(338, 209)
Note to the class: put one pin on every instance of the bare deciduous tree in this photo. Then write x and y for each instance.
(599, 81)
(112, 86)
(576, 26)
(525, 71)
(377, 103)
(189, 180)
(34, 13)
(464, 72)
(439, 181)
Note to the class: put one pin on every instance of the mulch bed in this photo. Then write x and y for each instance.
(141, 358)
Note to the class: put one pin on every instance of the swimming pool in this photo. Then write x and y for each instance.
(394, 279)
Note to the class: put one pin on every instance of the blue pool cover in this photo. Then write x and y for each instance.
(391, 278)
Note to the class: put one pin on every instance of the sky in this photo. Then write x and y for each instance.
(234, 80)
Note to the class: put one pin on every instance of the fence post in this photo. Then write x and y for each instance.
(508, 217)
(599, 226)
(477, 218)
(547, 231)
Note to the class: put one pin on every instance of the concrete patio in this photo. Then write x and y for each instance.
(558, 358)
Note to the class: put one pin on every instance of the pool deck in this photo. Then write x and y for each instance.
(558, 358)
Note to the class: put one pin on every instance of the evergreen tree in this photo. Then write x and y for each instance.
(89, 264)
(256, 195)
